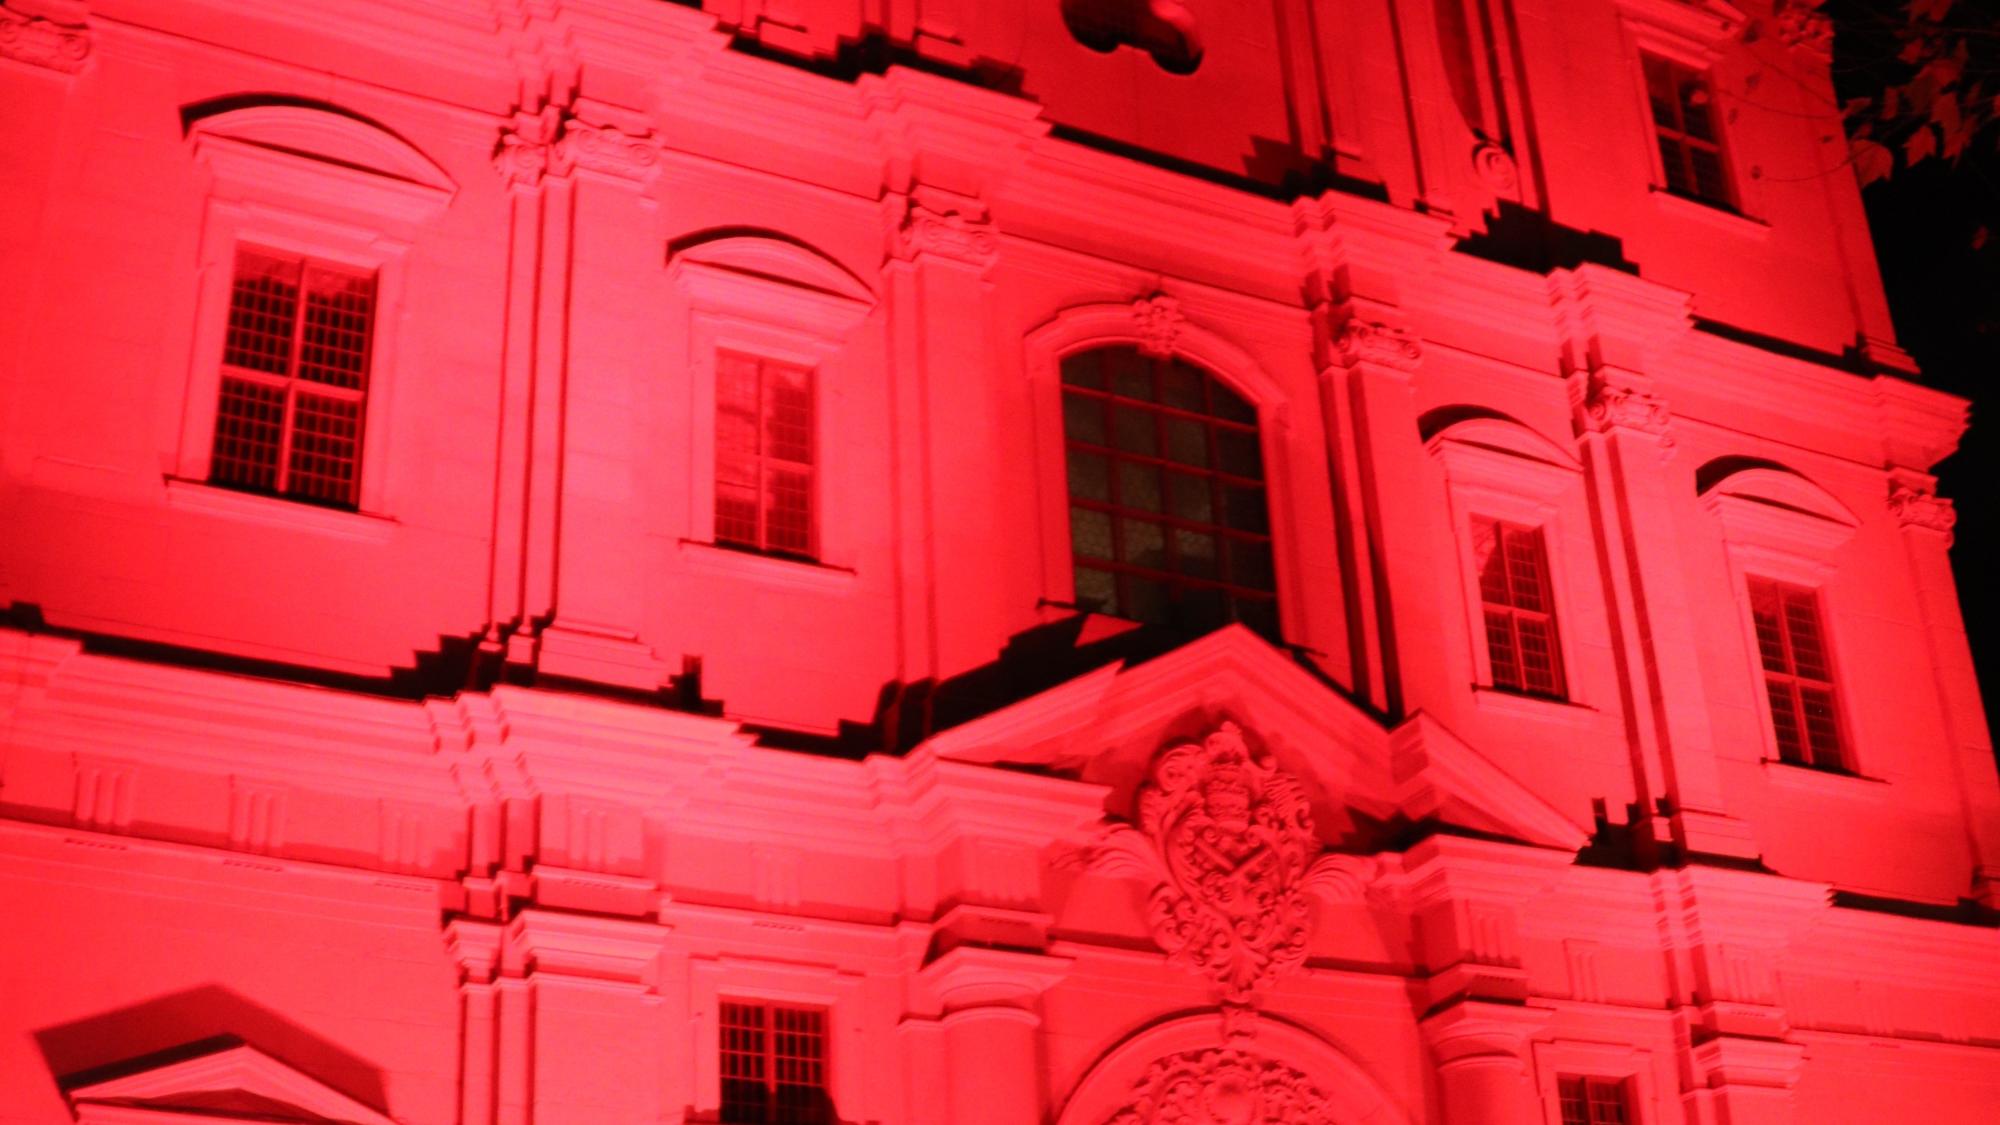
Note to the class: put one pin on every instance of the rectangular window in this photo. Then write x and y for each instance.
(1686, 125)
(294, 379)
(1519, 612)
(1798, 676)
(773, 1064)
(764, 455)
(1593, 1101)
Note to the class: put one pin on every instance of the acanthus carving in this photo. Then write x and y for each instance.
(1359, 341)
(1227, 837)
(1922, 509)
(1223, 1086)
(1158, 319)
(1610, 406)
(525, 152)
(948, 226)
(43, 42)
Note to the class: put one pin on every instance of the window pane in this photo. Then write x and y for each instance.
(1083, 419)
(1131, 374)
(788, 511)
(263, 300)
(1090, 534)
(1080, 369)
(1187, 442)
(249, 431)
(1245, 510)
(1202, 608)
(1194, 553)
(334, 345)
(1538, 657)
(326, 449)
(1250, 564)
(736, 513)
(1089, 476)
(1145, 543)
(1785, 722)
(1188, 497)
(1822, 731)
(788, 404)
(1181, 388)
(1135, 431)
(1502, 651)
(1139, 486)
(1238, 454)
(1146, 600)
(1095, 590)
(1524, 569)
(1229, 405)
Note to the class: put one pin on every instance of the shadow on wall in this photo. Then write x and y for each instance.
(185, 1025)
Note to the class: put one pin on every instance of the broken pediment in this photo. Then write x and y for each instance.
(1362, 783)
(232, 1082)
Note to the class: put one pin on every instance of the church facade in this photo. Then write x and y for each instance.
(1067, 562)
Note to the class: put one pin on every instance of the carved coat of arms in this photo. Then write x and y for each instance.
(1229, 837)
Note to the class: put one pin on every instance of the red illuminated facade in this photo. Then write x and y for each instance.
(1047, 563)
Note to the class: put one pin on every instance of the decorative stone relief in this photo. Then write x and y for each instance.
(601, 148)
(1609, 406)
(949, 226)
(547, 143)
(1495, 167)
(1229, 838)
(1159, 321)
(43, 42)
(1921, 508)
(1360, 341)
(1223, 1087)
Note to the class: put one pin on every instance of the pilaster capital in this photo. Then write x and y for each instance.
(1801, 26)
(40, 41)
(1473, 1032)
(525, 150)
(1917, 506)
(476, 947)
(946, 225)
(1606, 402)
(553, 142)
(1359, 341)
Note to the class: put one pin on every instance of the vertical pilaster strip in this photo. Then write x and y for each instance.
(476, 945)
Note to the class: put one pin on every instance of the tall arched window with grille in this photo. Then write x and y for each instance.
(1169, 519)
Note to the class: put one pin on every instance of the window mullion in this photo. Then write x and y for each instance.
(288, 421)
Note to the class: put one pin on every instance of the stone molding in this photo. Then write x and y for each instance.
(1159, 320)
(1608, 404)
(553, 143)
(40, 41)
(1366, 341)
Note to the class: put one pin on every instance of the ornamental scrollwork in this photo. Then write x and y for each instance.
(1359, 341)
(43, 42)
(601, 148)
(1158, 319)
(1802, 26)
(1609, 406)
(1223, 1086)
(957, 229)
(1922, 509)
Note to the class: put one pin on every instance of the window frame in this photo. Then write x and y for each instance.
(1698, 39)
(1502, 529)
(1842, 741)
(765, 461)
(714, 981)
(1624, 1063)
(1497, 469)
(317, 209)
(1777, 527)
(727, 309)
(1086, 327)
(768, 1055)
(1212, 474)
(1662, 176)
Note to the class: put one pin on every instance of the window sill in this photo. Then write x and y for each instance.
(1715, 214)
(275, 511)
(1812, 779)
(707, 558)
(1501, 702)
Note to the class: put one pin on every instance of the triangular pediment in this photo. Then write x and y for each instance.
(1361, 777)
(231, 1083)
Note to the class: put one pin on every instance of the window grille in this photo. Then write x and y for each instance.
(773, 1063)
(764, 455)
(1169, 522)
(1798, 675)
(294, 379)
(1685, 126)
(1593, 1101)
(1519, 611)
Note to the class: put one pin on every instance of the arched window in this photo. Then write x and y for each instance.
(1169, 524)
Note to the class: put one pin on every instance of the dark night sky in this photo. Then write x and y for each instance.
(1944, 290)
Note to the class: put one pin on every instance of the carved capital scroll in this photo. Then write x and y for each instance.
(1608, 406)
(950, 227)
(1923, 509)
(43, 42)
(1365, 341)
(1223, 1087)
